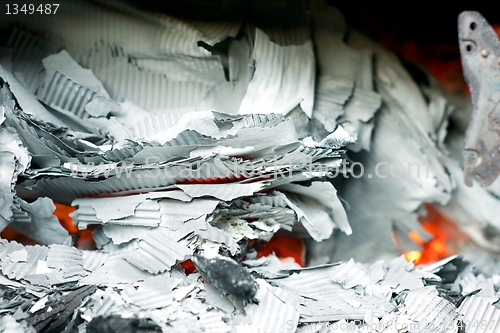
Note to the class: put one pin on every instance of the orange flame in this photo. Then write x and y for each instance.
(284, 247)
(496, 27)
(85, 240)
(446, 241)
(62, 213)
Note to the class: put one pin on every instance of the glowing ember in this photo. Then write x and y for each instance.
(62, 213)
(84, 238)
(188, 266)
(496, 27)
(284, 247)
(413, 256)
(446, 241)
(10, 234)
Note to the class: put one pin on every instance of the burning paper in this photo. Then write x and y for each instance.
(184, 146)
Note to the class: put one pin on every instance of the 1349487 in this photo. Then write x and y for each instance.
(30, 9)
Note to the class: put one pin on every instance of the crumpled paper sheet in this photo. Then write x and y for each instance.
(383, 293)
(164, 94)
(408, 129)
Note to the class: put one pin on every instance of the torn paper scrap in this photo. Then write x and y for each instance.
(283, 78)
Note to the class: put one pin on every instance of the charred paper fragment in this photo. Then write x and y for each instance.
(62, 311)
(455, 297)
(429, 311)
(115, 324)
(480, 50)
(16, 301)
(227, 275)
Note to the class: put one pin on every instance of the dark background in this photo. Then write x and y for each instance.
(418, 21)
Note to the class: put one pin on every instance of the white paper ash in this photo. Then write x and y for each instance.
(38, 222)
(404, 131)
(184, 145)
(478, 315)
(299, 297)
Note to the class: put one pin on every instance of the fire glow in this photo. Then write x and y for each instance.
(445, 242)
(282, 246)
(447, 238)
(84, 238)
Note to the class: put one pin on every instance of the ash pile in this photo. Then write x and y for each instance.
(185, 145)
